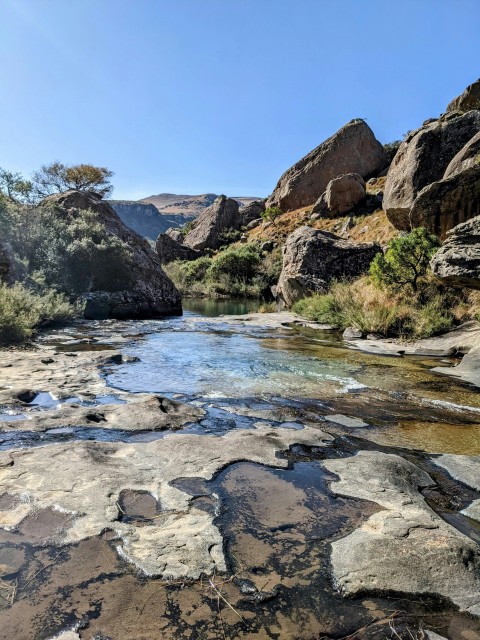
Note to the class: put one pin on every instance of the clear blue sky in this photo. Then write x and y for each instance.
(190, 96)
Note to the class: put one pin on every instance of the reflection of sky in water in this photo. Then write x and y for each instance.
(218, 363)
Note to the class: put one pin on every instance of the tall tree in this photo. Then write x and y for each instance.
(57, 177)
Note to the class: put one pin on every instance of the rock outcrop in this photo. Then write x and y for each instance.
(457, 262)
(468, 100)
(341, 196)
(251, 212)
(466, 158)
(151, 293)
(144, 218)
(169, 250)
(406, 547)
(444, 204)
(422, 159)
(220, 217)
(175, 234)
(353, 149)
(313, 258)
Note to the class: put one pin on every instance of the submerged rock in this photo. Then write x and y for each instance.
(313, 258)
(353, 149)
(405, 547)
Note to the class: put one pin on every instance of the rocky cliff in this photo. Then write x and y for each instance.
(146, 219)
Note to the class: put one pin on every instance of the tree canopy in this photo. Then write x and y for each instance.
(405, 261)
(55, 178)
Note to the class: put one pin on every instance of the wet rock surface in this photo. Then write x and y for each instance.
(230, 528)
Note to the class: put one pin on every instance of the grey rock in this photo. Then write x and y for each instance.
(151, 293)
(351, 333)
(442, 205)
(313, 258)
(175, 233)
(254, 223)
(421, 160)
(346, 421)
(251, 213)
(457, 262)
(353, 149)
(468, 370)
(466, 158)
(405, 547)
(223, 215)
(466, 469)
(267, 246)
(468, 100)
(169, 250)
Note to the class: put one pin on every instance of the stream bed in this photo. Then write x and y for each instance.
(277, 524)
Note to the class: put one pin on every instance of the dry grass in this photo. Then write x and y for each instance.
(372, 228)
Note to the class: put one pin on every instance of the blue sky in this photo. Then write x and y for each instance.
(192, 96)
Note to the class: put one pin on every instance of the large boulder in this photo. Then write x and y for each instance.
(466, 158)
(468, 100)
(175, 233)
(457, 262)
(442, 205)
(353, 149)
(313, 258)
(342, 195)
(251, 212)
(151, 293)
(422, 159)
(211, 225)
(169, 250)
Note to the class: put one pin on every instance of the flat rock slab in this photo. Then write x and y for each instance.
(468, 370)
(466, 469)
(85, 481)
(346, 421)
(275, 320)
(460, 340)
(405, 547)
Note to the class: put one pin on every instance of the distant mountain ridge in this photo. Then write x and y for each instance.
(155, 214)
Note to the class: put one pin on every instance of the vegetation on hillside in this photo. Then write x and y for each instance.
(239, 271)
(56, 257)
(400, 297)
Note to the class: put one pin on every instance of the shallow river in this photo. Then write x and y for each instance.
(277, 524)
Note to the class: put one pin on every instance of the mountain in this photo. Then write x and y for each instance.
(155, 214)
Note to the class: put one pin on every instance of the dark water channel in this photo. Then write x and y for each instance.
(277, 524)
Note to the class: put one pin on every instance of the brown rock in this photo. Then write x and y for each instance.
(169, 250)
(442, 205)
(468, 100)
(221, 216)
(423, 159)
(151, 293)
(353, 149)
(252, 212)
(313, 258)
(345, 192)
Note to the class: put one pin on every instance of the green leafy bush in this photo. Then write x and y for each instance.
(271, 214)
(406, 260)
(22, 312)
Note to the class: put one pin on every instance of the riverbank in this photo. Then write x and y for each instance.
(238, 491)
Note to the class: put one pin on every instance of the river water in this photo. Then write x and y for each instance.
(277, 524)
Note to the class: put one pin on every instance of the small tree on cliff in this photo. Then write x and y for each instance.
(271, 214)
(57, 178)
(406, 260)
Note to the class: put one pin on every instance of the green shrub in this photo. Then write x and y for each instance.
(75, 254)
(363, 305)
(22, 312)
(406, 260)
(271, 214)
